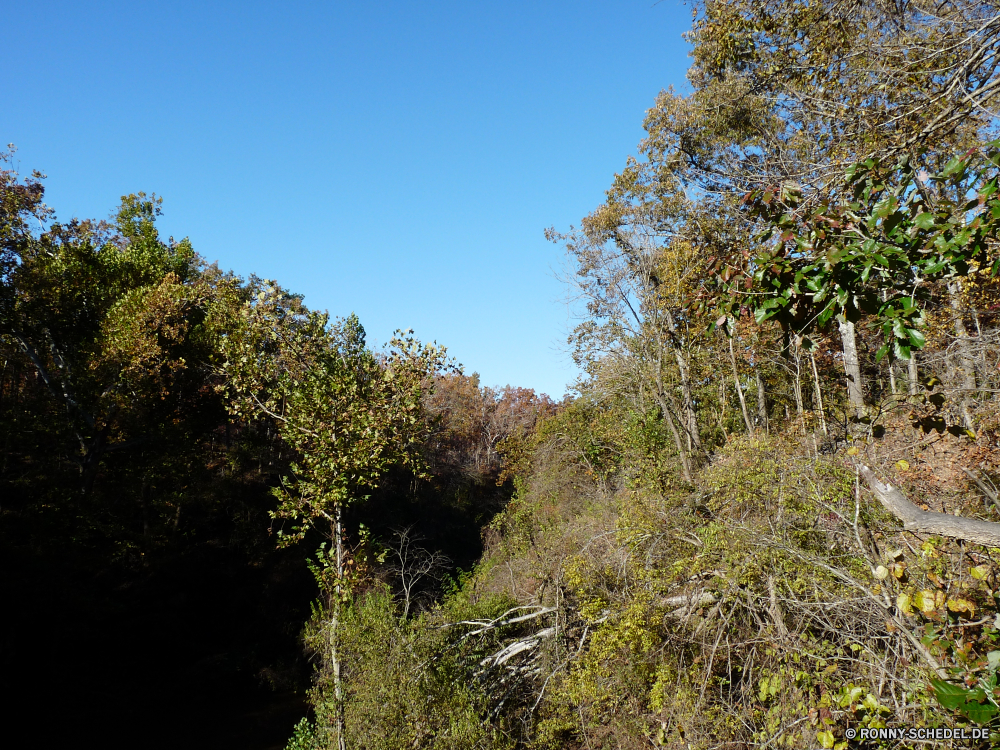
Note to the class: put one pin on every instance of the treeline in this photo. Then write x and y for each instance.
(138, 517)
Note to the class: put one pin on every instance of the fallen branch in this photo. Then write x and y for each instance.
(687, 603)
(505, 619)
(986, 533)
(525, 644)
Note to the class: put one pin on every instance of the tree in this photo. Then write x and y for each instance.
(986, 533)
(639, 280)
(346, 413)
(876, 247)
(802, 90)
(412, 564)
(790, 94)
(111, 317)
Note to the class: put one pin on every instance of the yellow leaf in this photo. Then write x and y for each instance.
(825, 739)
(881, 572)
(979, 572)
(902, 465)
(903, 603)
(962, 605)
(852, 451)
(924, 600)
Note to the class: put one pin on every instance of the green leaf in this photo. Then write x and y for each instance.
(916, 338)
(934, 268)
(949, 695)
(953, 167)
(980, 713)
(892, 221)
(924, 220)
(884, 207)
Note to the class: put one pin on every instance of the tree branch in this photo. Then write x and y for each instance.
(928, 522)
(990, 494)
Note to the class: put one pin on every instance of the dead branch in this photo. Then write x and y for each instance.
(989, 493)
(986, 533)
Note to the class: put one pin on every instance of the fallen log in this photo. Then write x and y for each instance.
(986, 533)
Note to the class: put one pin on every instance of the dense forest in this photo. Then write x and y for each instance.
(767, 515)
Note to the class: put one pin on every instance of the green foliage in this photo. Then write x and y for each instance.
(672, 570)
(346, 413)
(977, 704)
(715, 617)
(877, 248)
(304, 737)
(409, 684)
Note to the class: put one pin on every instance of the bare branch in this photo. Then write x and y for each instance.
(986, 533)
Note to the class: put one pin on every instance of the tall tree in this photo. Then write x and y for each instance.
(639, 334)
(346, 413)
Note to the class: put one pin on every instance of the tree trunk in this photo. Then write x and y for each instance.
(986, 533)
(982, 368)
(966, 375)
(723, 407)
(912, 375)
(685, 463)
(800, 409)
(818, 394)
(852, 367)
(761, 400)
(667, 407)
(739, 386)
(891, 360)
(338, 688)
(689, 416)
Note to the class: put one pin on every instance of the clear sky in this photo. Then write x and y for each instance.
(395, 159)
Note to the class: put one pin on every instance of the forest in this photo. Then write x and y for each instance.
(766, 516)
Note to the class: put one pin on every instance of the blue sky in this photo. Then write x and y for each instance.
(397, 159)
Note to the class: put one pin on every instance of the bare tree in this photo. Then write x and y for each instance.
(413, 564)
(636, 280)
